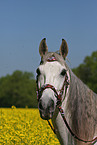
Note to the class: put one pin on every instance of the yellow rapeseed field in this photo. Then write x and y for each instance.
(24, 127)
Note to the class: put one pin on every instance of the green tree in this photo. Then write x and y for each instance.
(18, 89)
(87, 71)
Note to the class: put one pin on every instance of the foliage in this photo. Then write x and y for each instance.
(24, 127)
(18, 89)
(87, 71)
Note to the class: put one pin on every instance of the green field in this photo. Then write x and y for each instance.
(24, 127)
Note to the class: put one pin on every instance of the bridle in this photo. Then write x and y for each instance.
(58, 95)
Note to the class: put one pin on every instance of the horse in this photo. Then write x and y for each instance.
(65, 99)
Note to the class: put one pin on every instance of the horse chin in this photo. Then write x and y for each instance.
(46, 116)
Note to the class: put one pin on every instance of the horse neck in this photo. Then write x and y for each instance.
(81, 105)
(78, 107)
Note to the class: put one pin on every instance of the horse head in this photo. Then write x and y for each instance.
(51, 79)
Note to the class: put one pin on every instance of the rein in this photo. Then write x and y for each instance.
(72, 133)
(58, 95)
(70, 130)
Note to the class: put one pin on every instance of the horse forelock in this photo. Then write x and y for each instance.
(57, 56)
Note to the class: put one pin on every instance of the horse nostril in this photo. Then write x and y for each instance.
(40, 106)
(52, 103)
(46, 107)
(51, 106)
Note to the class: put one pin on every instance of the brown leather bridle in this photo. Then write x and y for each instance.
(58, 95)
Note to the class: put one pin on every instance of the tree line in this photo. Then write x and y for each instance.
(87, 71)
(19, 89)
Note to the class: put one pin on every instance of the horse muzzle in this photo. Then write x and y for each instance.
(46, 110)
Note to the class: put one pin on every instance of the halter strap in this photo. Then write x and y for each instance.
(50, 59)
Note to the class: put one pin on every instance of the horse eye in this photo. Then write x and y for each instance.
(38, 72)
(63, 72)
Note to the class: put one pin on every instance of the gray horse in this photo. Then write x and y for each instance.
(57, 86)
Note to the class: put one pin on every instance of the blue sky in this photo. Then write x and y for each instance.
(23, 24)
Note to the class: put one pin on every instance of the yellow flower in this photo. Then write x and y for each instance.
(13, 107)
(24, 127)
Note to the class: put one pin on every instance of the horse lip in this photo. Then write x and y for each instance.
(46, 116)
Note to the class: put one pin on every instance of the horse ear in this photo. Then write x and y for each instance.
(43, 49)
(64, 49)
